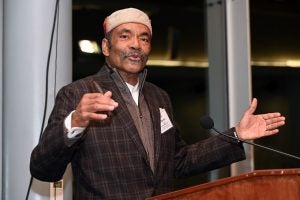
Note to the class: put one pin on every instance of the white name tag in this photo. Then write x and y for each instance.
(165, 122)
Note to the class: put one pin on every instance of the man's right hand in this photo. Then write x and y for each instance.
(93, 106)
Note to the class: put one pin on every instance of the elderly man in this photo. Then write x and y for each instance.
(118, 131)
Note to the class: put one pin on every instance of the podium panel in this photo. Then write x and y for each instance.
(274, 184)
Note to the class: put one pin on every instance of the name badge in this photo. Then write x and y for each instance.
(165, 122)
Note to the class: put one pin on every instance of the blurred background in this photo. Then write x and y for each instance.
(179, 63)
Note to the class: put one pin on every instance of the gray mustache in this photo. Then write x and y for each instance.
(141, 54)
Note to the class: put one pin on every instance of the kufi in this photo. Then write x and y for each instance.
(126, 15)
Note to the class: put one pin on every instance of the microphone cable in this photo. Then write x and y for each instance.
(207, 123)
(257, 145)
(55, 24)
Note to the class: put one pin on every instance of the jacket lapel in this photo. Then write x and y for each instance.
(155, 115)
(122, 111)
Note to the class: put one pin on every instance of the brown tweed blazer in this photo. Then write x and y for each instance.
(109, 160)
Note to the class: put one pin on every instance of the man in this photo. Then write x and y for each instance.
(118, 130)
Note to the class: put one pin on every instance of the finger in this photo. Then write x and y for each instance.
(98, 98)
(252, 107)
(108, 94)
(111, 101)
(94, 112)
(99, 107)
(272, 132)
(87, 117)
(91, 96)
(275, 125)
(98, 116)
(276, 119)
(271, 116)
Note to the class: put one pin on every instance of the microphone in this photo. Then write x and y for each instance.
(208, 123)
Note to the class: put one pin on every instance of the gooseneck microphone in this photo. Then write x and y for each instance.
(208, 123)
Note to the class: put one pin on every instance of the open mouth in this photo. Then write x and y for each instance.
(134, 57)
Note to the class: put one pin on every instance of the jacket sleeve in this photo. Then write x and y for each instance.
(51, 156)
(212, 153)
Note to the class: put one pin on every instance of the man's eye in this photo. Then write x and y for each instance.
(123, 36)
(144, 39)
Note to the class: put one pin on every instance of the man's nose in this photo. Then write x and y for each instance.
(135, 44)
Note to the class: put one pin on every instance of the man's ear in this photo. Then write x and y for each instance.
(105, 47)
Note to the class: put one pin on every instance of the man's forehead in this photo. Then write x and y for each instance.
(132, 27)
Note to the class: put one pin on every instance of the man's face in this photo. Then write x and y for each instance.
(128, 47)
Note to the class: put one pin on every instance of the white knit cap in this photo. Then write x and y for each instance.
(126, 15)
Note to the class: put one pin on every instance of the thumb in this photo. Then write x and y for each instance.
(252, 107)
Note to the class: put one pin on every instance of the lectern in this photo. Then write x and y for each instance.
(277, 184)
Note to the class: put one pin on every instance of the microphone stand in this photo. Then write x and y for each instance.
(257, 145)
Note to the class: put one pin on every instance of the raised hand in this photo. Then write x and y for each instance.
(93, 106)
(253, 126)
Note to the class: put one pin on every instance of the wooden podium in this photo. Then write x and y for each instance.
(279, 184)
